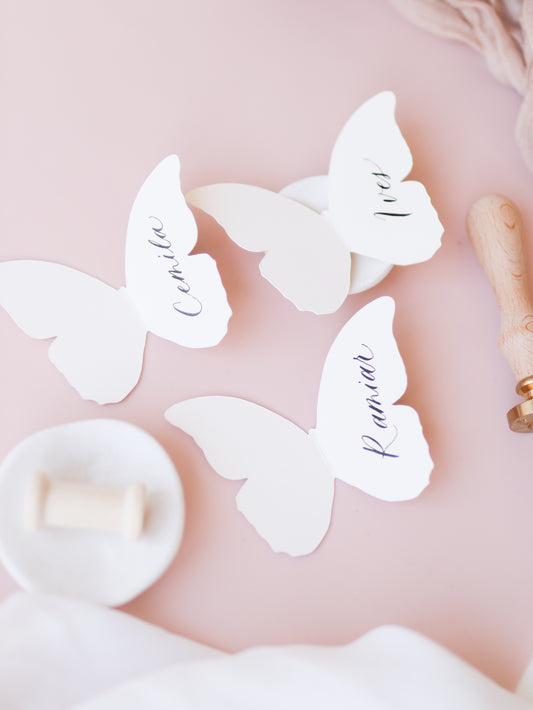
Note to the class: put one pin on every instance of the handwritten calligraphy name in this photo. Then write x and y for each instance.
(384, 184)
(374, 444)
(187, 305)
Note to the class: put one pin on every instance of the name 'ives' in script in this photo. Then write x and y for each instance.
(384, 185)
(374, 442)
(187, 304)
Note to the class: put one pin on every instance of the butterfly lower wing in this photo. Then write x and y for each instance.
(366, 272)
(369, 441)
(99, 338)
(288, 492)
(304, 257)
(180, 297)
(373, 209)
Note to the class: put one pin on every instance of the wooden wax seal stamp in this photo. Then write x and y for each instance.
(495, 230)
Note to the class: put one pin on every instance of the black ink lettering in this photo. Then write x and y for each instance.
(384, 184)
(163, 244)
(193, 310)
(157, 229)
(375, 447)
(392, 214)
(368, 374)
(362, 357)
(380, 420)
(193, 306)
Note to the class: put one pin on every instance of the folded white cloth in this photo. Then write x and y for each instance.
(389, 668)
(64, 654)
(56, 652)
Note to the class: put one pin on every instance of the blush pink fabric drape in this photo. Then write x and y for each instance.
(502, 30)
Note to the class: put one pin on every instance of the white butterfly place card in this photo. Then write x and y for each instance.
(361, 437)
(100, 332)
(327, 236)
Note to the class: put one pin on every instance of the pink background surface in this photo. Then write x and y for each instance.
(96, 94)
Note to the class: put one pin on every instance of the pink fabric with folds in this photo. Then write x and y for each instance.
(502, 30)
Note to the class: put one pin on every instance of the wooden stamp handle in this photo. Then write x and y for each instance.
(495, 229)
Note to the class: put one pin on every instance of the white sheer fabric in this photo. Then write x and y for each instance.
(58, 653)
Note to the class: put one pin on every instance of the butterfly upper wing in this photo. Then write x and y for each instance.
(305, 259)
(180, 297)
(288, 494)
(99, 338)
(369, 441)
(374, 211)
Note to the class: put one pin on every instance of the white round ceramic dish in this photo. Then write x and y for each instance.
(97, 566)
(313, 192)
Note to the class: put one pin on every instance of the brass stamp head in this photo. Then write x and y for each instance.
(520, 417)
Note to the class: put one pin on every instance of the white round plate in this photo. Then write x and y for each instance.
(97, 566)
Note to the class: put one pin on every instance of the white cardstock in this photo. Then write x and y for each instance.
(99, 331)
(361, 437)
(370, 211)
(366, 271)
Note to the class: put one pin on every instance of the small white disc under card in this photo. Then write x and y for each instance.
(371, 210)
(312, 192)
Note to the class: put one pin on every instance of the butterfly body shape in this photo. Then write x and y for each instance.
(361, 437)
(100, 332)
(311, 256)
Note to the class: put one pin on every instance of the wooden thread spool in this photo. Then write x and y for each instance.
(70, 504)
(495, 229)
